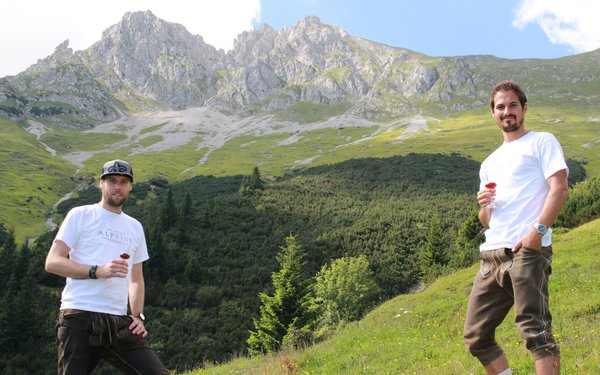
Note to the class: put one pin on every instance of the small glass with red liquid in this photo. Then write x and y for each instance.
(124, 255)
(491, 185)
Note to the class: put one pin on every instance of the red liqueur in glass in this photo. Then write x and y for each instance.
(124, 255)
(491, 185)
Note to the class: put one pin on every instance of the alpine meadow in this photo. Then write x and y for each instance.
(308, 197)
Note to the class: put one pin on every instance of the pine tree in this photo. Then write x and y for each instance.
(168, 214)
(186, 219)
(252, 183)
(155, 269)
(8, 260)
(5, 234)
(255, 181)
(20, 319)
(433, 257)
(466, 246)
(285, 314)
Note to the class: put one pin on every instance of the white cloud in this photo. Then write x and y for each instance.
(570, 22)
(31, 29)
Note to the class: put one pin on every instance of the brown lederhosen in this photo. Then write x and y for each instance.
(83, 338)
(506, 279)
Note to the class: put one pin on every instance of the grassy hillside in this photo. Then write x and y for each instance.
(27, 198)
(31, 181)
(472, 133)
(422, 333)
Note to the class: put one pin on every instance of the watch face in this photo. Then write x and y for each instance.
(541, 229)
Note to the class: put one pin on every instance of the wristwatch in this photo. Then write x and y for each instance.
(92, 272)
(541, 228)
(141, 316)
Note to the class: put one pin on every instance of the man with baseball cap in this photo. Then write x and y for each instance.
(99, 250)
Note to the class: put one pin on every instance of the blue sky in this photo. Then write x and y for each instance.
(31, 29)
(436, 28)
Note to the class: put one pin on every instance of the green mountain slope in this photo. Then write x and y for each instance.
(470, 133)
(422, 333)
(31, 181)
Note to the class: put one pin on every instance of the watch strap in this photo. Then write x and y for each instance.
(92, 272)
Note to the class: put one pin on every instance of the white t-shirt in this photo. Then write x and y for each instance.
(96, 236)
(520, 169)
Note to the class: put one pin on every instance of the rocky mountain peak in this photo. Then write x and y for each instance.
(147, 37)
(252, 45)
(63, 49)
(144, 63)
(310, 34)
(62, 54)
(160, 60)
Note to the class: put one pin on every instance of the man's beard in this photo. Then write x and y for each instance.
(512, 126)
(116, 202)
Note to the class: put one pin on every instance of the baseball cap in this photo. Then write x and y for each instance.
(118, 167)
